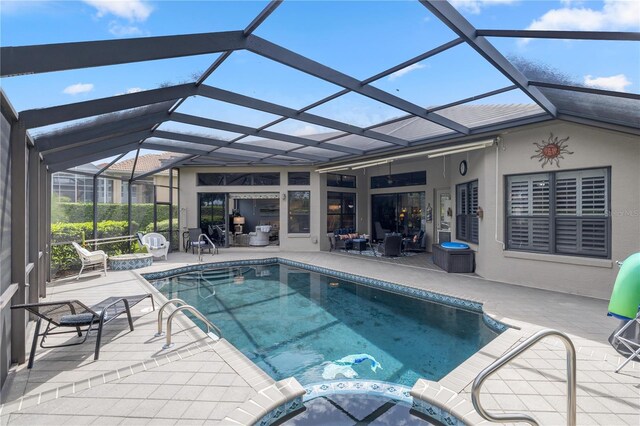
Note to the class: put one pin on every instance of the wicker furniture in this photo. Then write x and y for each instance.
(89, 258)
(454, 260)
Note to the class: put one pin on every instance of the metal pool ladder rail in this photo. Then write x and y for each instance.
(184, 307)
(504, 359)
(213, 246)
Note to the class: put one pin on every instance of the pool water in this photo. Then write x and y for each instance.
(293, 322)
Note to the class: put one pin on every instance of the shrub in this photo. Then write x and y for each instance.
(65, 212)
(163, 226)
(64, 256)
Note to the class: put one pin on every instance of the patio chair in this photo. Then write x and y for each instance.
(391, 245)
(74, 314)
(626, 340)
(156, 244)
(195, 241)
(90, 258)
(380, 231)
(417, 243)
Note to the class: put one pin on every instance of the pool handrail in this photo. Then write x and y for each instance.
(513, 353)
(198, 314)
(161, 311)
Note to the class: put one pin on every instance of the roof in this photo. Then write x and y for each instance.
(119, 124)
(145, 163)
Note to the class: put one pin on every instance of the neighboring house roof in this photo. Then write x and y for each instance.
(145, 163)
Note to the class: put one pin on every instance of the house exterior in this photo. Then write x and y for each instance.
(560, 203)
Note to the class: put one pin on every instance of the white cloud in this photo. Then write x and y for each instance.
(476, 6)
(133, 10)
(123, 30)
(134, 90)
(405, 70)
(615, 15)
(617, 83)
(78, 88)
(306, 130)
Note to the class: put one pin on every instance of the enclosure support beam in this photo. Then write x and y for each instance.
(171, 207)
(165, 167)
(19, 238)
(279, 54)
(95, 210)
(453, 19)
(34, 224)
(61, 113)
(45, 192)
(562, 35)
(67, 56)
(130, 228)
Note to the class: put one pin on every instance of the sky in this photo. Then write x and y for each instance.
(359, 38)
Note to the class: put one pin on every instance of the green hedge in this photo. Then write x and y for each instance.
(64, 256)
(163, 226)
(142, 214)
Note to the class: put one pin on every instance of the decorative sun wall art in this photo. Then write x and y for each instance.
(552, 150)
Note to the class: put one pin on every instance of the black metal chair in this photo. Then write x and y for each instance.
(417, 243)
(74, 314)
(391, 245)
(195, 241)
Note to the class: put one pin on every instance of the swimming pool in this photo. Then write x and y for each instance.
(295, 322)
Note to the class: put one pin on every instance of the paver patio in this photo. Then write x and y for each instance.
(201, 381)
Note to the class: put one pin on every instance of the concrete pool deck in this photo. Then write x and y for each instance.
(203, 382)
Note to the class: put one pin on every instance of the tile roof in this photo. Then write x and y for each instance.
(145, 163)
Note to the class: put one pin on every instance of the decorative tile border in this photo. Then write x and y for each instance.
(430, 296)
(362, 387)
(281, 411)
(128, 263)
(436, 413)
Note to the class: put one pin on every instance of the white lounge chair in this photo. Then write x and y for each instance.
(89, 258)
(261, 236)
(156, 244)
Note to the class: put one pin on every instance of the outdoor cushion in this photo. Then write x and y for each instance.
(78, 319)
(454, 246)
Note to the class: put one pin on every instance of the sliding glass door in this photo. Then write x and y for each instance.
(398, 212)
(213, 217)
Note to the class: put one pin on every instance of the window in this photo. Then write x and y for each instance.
(559, 212)
(238, 179)
(299, 178)
(341, 210)
(466, 212)
(299, 211)
(341, 181)
(399, 179)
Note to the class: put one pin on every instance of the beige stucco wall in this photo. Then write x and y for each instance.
(188, 195)
(592, 147)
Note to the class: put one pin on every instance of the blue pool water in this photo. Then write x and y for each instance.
(293, 322)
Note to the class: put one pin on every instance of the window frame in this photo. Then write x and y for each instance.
(469, 217)
(341, 182)
(289, 178)
(414, 178)
(342, 212)
(553, 217)
(290, 215)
